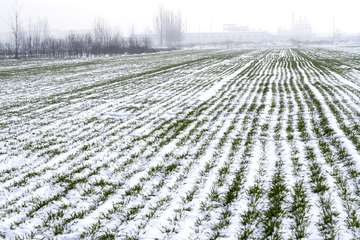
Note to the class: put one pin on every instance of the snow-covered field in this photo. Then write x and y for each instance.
(201, 144)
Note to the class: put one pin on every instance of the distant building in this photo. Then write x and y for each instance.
(217, 37)
(302, 30)
(226, 37)
(234, 28)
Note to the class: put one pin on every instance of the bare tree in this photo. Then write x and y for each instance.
(36, 38)
(45, 35)
(29, 40)
(71, 42)
(15, 25)
(147, 42)
(117, 43)
(159, 23)
(2, 49)
(88, 41)
(174, 28)
(169, 26)
(101, 34)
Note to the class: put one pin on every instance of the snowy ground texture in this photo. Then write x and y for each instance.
(202, 144)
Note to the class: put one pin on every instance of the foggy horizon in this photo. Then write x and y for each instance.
(200, 16)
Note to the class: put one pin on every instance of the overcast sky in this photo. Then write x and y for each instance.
(200, 14)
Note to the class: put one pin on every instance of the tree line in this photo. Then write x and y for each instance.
(35, 40)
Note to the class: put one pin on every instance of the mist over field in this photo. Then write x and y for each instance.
(179, 120)
(190, 144)
(203, 16)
